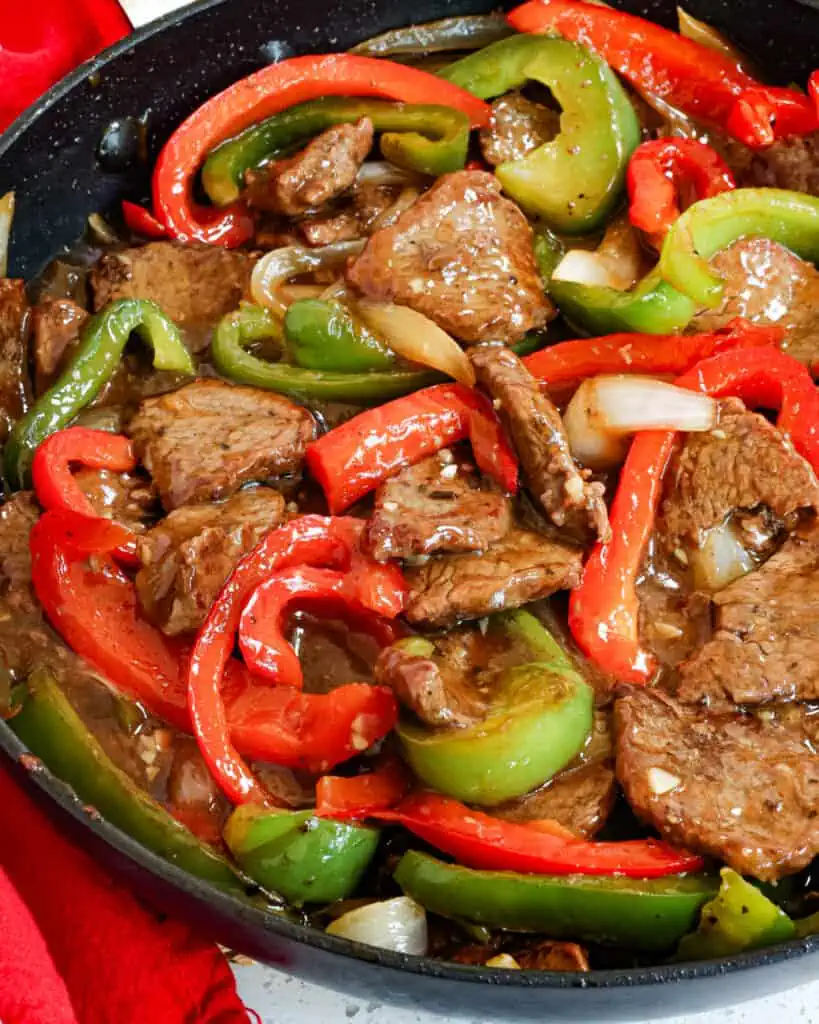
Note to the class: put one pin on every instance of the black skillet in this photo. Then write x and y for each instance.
(51, 157)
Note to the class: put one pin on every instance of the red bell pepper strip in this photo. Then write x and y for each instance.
(142, 221)
(656, 171)
(260, 95)
(700, 81)
(94, 607)
(569, 362)
(361, 795)
(480, 841)
(266, 651)
(307, 541)
(604, 609)
(356, 457)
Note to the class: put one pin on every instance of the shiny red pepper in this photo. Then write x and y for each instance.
(260, 95)
(356, 457)
(142, 221)
(308, 541)
(478, 840)
(94, 607)
(659, 168)
(604, 609)
(361, 795)
(569, 362)
(698, 80)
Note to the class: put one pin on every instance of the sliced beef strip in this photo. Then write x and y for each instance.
(56, 326)
(562, 490)
(523, 566)
(14, 317)
(791, 163)
(580, 800)
(766, 283)
(436, 505)
(204, 441)
(743, 788)
(188, 556)
(321, 171)
(462, 254)
(766, 643)
(126, 497)
(744, 464)
(516, 127)
(193, 285)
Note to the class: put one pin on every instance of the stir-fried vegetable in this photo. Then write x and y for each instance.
(399, 924)
(6, 217)
(468, 32)
(706, 35)
(279, 265)
(324, 335)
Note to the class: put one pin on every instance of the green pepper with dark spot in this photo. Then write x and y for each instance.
(304, 858)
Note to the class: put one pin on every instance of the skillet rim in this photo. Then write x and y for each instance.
(202, 892)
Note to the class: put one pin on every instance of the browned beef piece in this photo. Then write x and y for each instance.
(743, 464)
(521, 567)
(369, 208)
(743, 788)
(579, 799)
(791, 163)
(126, 497)
(550, 955)
(516, 127)
(205, 440)
(14, 316)
(766, 283)
(56, 326)
(321, 171)
(188, 556)
(193, 285)
(766, 644)
(462, 254)
(561, 489)
(436, 505)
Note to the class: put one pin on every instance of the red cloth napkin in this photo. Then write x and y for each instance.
(115, 960)
(42, 40)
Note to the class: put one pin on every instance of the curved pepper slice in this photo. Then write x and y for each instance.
(304, 858)
(604, 610)
(359, 795)
(540, 717)
(420, 137)
(92, 365)
(260, 95)
(478, 840)
(325, 336)
(236, 331)
(356, 457)
(657, 170)
(700, 81)
(266, 651)
(573, 181)
(142, 221)
(309, 540)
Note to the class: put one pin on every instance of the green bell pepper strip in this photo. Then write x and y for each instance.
(573, 181)
(706, 227)
(241, 328)
(303, 858)
(642, 914)
(419, 137)
(93, 364)
(737, 919)
(53, 731)
(806, 926)
(541, 715)
(325, 336)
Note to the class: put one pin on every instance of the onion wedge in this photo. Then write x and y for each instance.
(417, 339)
(721, 559)
(399, 924)
(6, 217)
(279, 265)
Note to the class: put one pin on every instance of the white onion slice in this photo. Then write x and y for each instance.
(618, 262)
(6, 217)
(399, 924)
(583, 266)
(418, 339)
(504, 960)
(382, 172)
(606, 409)
(279, 265)
(721, 559)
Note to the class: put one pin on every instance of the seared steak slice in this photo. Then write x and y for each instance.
(766, 283)
(462, 254)
(189, 555)
(561, 489)
(13, 351)
(205, 440)
(579, 799)
(324, 169)
(742, 788)
(766, 644)
(56, 326)
(436, 505)
(521, 567)
(193, 285)
(516, 127)
(743, 464)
